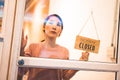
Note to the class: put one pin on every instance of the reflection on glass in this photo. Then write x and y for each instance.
(60, 74)
(1, 13)
(74, 16)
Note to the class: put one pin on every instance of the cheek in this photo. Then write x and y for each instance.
(47, 28)
(59, 31)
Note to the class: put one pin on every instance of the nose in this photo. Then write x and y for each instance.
(54, 27)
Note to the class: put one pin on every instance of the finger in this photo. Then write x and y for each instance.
(26, 37)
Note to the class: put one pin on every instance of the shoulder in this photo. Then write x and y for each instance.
(65, 50)
(35, 45)
(62, 47)
(33, 49)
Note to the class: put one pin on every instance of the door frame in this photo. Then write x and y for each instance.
(6, 35)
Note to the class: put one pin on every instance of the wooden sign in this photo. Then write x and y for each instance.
(87, 44)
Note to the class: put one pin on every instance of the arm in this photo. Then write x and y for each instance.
(67, 74)
(23, 70)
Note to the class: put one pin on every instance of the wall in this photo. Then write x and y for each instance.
(74, 15)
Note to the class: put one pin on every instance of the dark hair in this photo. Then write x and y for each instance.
(51, 16)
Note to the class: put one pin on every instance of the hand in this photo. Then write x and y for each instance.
(24, 42)
(85, 56)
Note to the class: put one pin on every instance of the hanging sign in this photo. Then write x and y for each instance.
(87, 44)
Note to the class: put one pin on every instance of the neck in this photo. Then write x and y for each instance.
(50, 42)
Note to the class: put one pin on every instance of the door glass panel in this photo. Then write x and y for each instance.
(91, 21)
(1, 13)
(59, 74)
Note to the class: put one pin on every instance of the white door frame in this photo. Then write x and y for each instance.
(6, 35)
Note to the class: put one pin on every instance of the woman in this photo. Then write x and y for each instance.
(52, 28)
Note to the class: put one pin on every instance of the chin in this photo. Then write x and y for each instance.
(53, 36)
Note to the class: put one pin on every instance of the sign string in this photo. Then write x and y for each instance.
(90, 16)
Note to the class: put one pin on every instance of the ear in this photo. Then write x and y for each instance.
(59, 34)
(43, 29)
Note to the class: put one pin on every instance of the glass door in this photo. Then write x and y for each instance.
(95, 21)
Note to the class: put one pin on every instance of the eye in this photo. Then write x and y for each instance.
(51, 22)
(59, 24)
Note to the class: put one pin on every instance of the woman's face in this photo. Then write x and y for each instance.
(53, 27)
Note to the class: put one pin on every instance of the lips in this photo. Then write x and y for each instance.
(53, 32)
